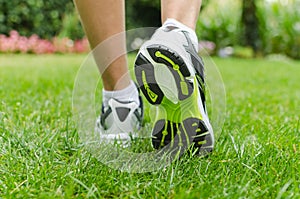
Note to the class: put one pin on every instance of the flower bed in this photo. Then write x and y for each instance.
(15, 43)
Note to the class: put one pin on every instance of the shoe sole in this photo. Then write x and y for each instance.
(177, 122)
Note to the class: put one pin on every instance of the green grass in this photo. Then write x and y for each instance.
(256, 156)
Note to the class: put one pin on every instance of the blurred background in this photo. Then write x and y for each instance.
(241, 28)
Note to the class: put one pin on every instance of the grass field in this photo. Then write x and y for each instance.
(256, 156)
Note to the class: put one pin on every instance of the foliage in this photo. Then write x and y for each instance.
(145, 13)
(142, 13)
(33, 16)
(280, 27)
(71, 26)
(219, 22)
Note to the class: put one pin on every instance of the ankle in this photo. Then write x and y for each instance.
(128, 94)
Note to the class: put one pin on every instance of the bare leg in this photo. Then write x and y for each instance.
(184, 11)
(102, 19)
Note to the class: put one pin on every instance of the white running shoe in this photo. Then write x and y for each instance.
(170, 74)
(120, 121)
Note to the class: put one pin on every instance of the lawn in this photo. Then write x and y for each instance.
(256, 156)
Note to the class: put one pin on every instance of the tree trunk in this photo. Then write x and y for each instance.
(250, 22)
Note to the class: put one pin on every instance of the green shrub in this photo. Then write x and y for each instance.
(33, 16)
(145, 13)
(71, 27)
(280, 27)
(142, 13)
(219, 22)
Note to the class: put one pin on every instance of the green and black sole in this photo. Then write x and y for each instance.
(179, 124)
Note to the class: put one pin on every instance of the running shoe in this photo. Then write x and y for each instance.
(170, 74)
(119, 122)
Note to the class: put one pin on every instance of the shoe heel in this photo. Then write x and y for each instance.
(144, 72)
(176, 65)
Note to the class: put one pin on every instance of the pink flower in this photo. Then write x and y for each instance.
(22, 45)
(81, 46)
(14, 43)
(207, 46)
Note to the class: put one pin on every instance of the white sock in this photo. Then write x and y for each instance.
(128, 94)
(174, 22)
